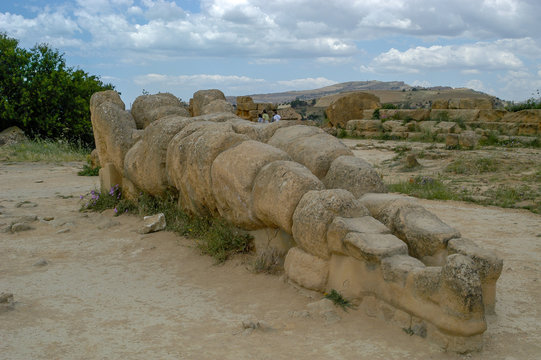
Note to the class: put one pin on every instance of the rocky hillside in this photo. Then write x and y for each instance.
(396, 92)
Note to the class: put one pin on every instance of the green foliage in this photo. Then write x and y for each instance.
(376, 115)
(424, 187)
(460, 122)
(389, 106)
(213, 236)
(43, 96)
(342, 133)
(339, 300)
(297, 103)
(472, 166)
(88, 170)
(531, 103)
(43, 150)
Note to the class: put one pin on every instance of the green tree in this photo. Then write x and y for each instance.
(42, 95)
(13, 63)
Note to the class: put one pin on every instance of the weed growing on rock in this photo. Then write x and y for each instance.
(88, 170)
(339, 300)
(213, 236)
(270, 261)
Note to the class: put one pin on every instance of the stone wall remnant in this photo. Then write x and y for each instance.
(302, 189)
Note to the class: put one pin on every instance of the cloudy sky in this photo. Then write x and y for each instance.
(259, 46)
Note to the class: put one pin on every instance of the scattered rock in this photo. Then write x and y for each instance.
(41, 262)
(6, 298)
(250, 325)
(18, 227)
(38, 181)
(26, 204)
(63, 231)
(12, 135)
(6, 302)
(153, 223)
(48, 218)
(411, 161)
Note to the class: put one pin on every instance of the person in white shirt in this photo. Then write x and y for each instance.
(276, 117)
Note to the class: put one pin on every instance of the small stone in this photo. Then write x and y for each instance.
(264, 326)
(153, 223)
(411, 161)
(17, 227)
(26, 204)
(63, 231)
(38, 181)
(41, 262)
(299, 314)
(49, 218)
(6, 298)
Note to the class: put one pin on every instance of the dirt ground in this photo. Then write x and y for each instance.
(107, 292)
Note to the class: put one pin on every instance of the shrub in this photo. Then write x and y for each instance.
(44, 97)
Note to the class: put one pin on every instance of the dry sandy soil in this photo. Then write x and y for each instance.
(108, 292)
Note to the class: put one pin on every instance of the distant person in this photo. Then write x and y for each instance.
(266, 118)
(259, 118)
(276, 117)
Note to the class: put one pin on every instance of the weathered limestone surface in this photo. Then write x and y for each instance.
(284, 183)
(233, 174)
(316, 211)
(203, 98)
(145, 161)
(307, 270)
(300, 190)
(355, 175)
(350, 106)
(149, 108)
(113, 131)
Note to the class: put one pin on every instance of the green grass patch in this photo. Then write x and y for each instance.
(43, 150)
(213, 236)
(472, 166)
(424, 187)
(339, 300)
(88, 170)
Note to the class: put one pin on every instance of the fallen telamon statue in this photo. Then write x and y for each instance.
(299, 189)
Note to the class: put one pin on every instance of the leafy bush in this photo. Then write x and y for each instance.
(389, 106)
(376, 115)
(531, 103)
(44, 97)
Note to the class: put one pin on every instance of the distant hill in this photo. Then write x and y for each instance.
(289, 96)
(396, 92)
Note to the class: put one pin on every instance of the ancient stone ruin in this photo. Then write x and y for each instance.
(457, 121)
(296, 188)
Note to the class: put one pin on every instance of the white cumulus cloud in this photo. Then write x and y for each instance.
(307, 83)
(488, 56)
